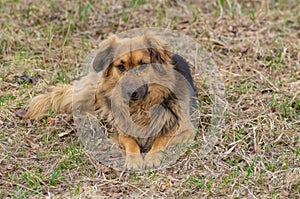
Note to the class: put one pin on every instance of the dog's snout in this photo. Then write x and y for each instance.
(136, 93)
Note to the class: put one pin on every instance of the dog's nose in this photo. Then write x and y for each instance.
(138, 93)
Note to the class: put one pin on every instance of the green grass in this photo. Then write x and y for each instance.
(6, 98)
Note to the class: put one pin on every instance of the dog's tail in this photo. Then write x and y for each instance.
(65, 98)
(58, 100)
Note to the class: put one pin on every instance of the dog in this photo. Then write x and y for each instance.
(138, 86)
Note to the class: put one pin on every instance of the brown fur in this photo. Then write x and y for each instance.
(161, 118)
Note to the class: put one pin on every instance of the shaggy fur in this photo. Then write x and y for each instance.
(138, 86)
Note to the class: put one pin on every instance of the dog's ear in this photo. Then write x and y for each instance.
(104, 56)
(159, 49)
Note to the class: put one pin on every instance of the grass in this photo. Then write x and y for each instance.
(255, 45)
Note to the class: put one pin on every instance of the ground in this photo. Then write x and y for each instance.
(256, 47)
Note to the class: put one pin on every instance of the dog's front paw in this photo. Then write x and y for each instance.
(153, 159)
(134, 161)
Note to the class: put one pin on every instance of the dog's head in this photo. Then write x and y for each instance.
(134, 63)
(138, 79)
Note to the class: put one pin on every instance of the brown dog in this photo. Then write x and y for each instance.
(138, 86)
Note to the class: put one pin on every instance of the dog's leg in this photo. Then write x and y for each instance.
(154, 157)
(134, 159)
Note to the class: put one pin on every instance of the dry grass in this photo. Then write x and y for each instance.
(256, 47)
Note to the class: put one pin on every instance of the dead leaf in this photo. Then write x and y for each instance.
(32, 144)
(20, 113)
(64, 133)
(25, 78)
(164, 186)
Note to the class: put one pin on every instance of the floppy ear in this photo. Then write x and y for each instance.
(104, 56)
(159, 49)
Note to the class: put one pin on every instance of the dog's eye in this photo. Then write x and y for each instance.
(142, 63)
(121, 67)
